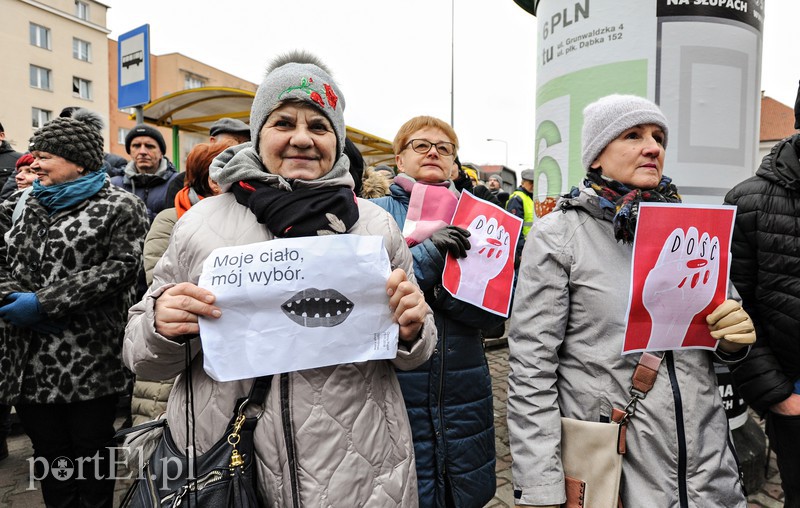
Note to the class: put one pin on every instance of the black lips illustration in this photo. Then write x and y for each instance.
(314, 307)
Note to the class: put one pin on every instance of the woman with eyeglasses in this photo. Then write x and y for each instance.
(448, 398)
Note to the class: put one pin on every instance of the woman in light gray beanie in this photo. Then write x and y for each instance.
(607, 118)
(568, 326)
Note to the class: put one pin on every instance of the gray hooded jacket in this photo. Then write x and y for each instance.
(566, 334)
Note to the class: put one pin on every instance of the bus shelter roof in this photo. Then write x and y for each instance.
(194, 110)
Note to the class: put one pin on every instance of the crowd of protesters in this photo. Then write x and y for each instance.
(100, 301)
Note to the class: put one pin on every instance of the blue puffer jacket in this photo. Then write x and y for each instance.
(449, 398)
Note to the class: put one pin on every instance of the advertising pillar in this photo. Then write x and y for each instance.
(699, 60)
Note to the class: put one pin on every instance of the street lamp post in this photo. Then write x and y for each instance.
(452, 61)
(505, 143)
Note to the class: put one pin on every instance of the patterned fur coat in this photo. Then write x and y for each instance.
(82, 263)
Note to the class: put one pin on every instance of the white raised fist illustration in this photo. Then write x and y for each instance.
(488, 254)
(681, 284)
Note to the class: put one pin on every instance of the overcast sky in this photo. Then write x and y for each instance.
(391, 59)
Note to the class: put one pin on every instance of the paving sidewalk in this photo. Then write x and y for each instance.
(14, 476)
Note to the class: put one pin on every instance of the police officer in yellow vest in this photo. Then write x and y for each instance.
(520, 203)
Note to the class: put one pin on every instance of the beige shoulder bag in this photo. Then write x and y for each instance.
(591, 452)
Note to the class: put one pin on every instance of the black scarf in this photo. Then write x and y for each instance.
(301, 212)
(625, 201)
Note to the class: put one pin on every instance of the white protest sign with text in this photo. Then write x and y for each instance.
(297, 303)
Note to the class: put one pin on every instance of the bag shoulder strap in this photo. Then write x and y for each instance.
(142, 427)
(260, 389)
(644, 375)
(642, 381)
(258, 395)
(258, 392)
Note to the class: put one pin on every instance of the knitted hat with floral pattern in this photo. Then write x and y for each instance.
(302, 76)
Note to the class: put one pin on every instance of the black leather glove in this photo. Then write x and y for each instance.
(452, 239)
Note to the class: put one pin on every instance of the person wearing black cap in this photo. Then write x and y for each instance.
(149, 172)
(766, 274)
(67, 281)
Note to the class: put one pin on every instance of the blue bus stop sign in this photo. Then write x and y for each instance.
(133, 70)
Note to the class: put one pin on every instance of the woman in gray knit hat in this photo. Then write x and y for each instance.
(329, 436)
(568, 325)
(68, 265)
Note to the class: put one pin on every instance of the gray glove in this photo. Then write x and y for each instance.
(452, 239)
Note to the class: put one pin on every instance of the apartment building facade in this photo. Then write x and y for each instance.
(55, 55)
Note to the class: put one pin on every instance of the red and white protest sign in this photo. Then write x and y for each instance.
(485, 277)
(681, 265)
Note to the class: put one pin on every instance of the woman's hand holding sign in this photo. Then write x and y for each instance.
(178, 307)
(407, 304)
(732, 326)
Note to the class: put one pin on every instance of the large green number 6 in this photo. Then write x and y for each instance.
(548, 166)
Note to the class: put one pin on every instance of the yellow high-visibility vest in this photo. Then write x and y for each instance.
(527, 206)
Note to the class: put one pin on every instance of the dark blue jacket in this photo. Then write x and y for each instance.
(449, 398)
(150, 188)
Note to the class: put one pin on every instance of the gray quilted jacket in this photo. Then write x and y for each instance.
(345, 439)
(565, 339)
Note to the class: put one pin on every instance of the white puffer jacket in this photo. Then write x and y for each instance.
(347, 428)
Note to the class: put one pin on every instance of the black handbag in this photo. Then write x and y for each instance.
(222, 477)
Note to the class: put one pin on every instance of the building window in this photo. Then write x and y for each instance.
(82, 10)
(121, 135)
(40, 117)
(40, 36)
(81, 50)
(40, 77)
(82, 88)
(190, 82)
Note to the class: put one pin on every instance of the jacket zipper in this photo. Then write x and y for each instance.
(288, 436)
(442, 427)
(732, 449)
(194, 485)
(676, 396)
